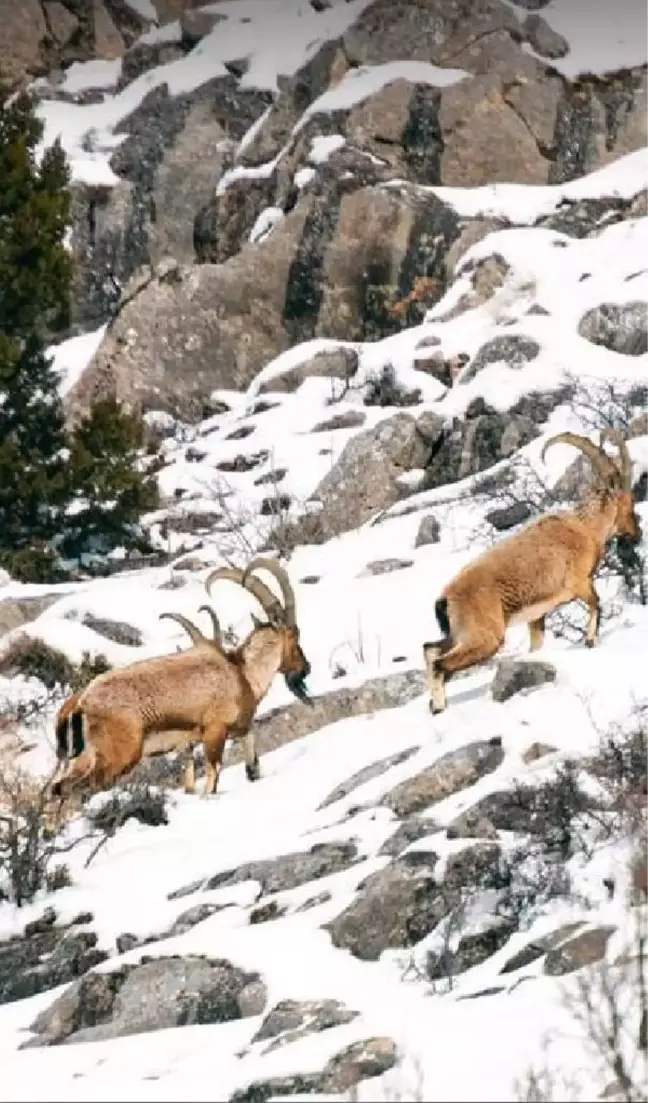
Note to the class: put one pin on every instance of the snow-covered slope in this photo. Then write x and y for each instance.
(356, 625)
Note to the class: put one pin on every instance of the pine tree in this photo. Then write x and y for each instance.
(61, 493)
(116, 482)
(35, 274)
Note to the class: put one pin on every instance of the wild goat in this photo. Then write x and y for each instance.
(203, 694)
(552, 560)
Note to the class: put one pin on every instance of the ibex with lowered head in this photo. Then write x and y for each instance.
(203, 694)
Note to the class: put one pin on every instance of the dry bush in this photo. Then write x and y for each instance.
(609, 1003)
(32, 658)
(30, 839)
(132, 799)
(620, 766)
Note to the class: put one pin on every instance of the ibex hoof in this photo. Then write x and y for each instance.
(435, 709)
(591, 643)
(253, 771)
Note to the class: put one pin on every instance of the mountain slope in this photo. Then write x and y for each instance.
(402, 905)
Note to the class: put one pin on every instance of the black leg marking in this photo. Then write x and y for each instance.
(253, 770)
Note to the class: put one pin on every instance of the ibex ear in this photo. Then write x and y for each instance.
(256, 622)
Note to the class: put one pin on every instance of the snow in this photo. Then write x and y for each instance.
(526, 203)
(265, 223)
(99, 73)
(294, 953)
(358, 84)
(613, 36)
(354, 626)
(323, 146)
(249, 28)
(70, 358)
(379, 619)
(145, 8)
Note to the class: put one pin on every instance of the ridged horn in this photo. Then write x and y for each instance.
(192, 630)
(269, 603)
(217, 632)
(602, 464)
(624, 463)
(281, 575)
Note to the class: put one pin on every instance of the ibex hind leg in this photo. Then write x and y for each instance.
(536, 633)
(431, 655)
(252, 769)
(435, 677)
(188, 768)
(214, 740)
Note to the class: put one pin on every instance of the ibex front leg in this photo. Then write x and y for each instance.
(590, 598)
(536, 633)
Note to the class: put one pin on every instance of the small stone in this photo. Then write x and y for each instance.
(429, 531)
(512, 676)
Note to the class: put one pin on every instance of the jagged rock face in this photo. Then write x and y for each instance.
(154, 995)
(41, 35)
(351, 256)
(353, 264)
(176, 148)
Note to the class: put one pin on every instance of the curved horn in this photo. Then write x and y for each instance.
(192, 631)
(216, 628)
(602, 464)
(624, 464)
(281, 575)
(267, 600)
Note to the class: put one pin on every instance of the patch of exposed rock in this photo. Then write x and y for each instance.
(38, 37)
(174, 150)
(515, 675)
(470, 950)
(360, 1061)
(315, 265)
(337, 363)
(287, 871)
(292, 1019)
(619, 327)
(404, 902)
(155, 995)
(16, 611)
(450, 774)
(367, 773)
(46, 955)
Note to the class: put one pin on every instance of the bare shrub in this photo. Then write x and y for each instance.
(33, 658)
(137, 800)
(609, 1003)
(30, 840)
(384, 389)
(620, 766)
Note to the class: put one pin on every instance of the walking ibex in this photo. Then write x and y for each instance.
(552, 560)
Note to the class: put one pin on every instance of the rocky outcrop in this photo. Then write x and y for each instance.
(357, 1062)
(291, 1019)
(401, 904)
(46, 955)
(288, 871)
(41, 35)
(452, 773)
(175, 150)
(155, 995)
(515, 675)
